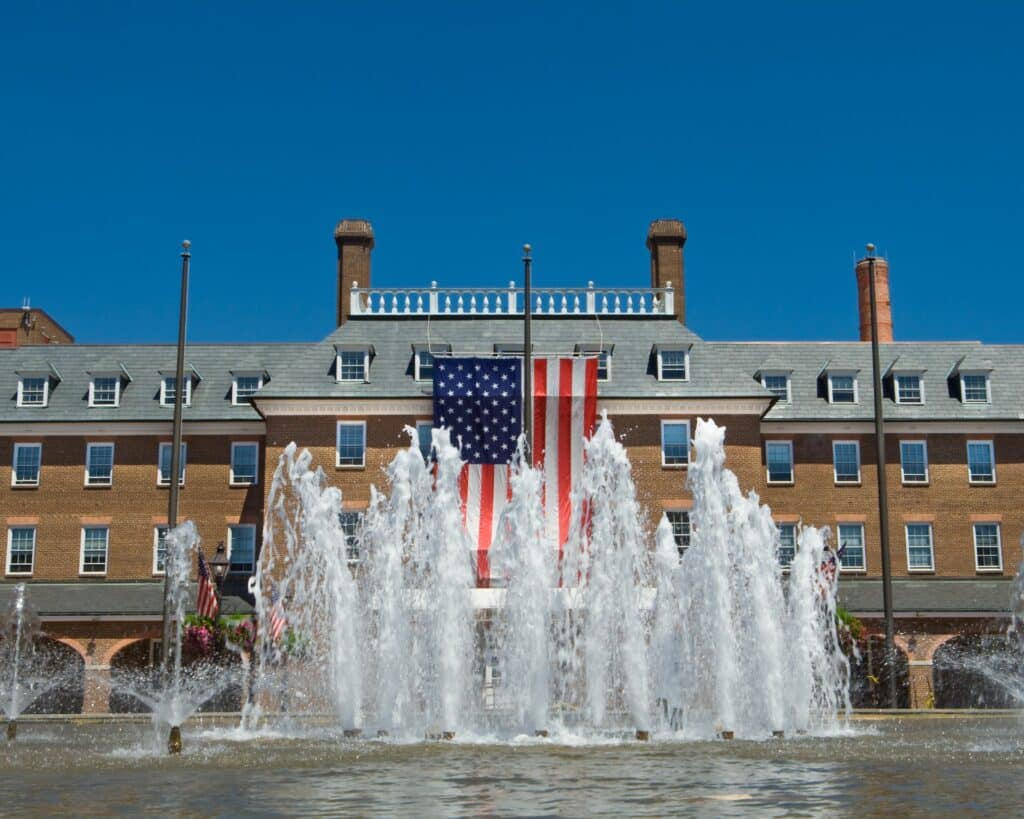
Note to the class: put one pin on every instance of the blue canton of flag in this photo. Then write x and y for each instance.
(479, 399)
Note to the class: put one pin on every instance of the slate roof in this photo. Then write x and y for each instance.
(99, 598)
(863, 596)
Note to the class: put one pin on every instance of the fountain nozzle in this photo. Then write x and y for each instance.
(174, 740)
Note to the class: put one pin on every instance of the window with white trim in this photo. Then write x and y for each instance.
(604, 365)
(95, 540)
(159, 548)
(33, 391)
(778, 456)
(99, 464)
(28, 459)
(675, 443)
(777, 384)
(21, 550)
(914, 461)
(846, 461)
(244, 386)
(975, 388)
(163, 471)
(851, 545)
(673, 365)
(425, 438)
(787, 544)
(351, 443)
(353, 365)
(679, 520)
(424, 365)
(245, 460)
(842, 388)
(351, 525)
(105, 391)
(242, 548)
(169, 387)
(988, 547)
(981, 462)
(920, 551)
(909, 388)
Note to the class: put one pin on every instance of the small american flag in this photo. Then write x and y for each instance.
(206, 597)
(277, 617)
(829, 568)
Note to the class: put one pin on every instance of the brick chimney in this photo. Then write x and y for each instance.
(354, 238)
(665, 240)
(884, 304)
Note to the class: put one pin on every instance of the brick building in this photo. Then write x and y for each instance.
(85, 442)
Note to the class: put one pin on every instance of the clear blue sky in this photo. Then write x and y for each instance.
(785, 135)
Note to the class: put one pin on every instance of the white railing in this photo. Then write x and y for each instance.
(488, 301)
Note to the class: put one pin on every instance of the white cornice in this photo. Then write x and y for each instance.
(136, 428)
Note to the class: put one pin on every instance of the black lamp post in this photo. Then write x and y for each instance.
(219, 565)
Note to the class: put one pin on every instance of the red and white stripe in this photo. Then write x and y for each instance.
(206, 597)
(485, 490)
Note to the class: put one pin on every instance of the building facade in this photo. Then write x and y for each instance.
(85, 437)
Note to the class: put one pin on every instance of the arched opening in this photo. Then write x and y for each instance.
(979, 671)
(869, 675)
(57, 660)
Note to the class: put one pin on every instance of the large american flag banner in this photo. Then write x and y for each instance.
(206, 597)
(480, 401)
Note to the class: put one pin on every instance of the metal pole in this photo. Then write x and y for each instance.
(883, 492)
(179, 399)
(527, 357)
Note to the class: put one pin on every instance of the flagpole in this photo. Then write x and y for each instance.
(527, 356)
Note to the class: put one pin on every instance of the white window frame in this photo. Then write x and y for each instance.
(231, 538)
(999, 545)
(157, 571)
(417, 375)
(778, 528)
(45, 378)
(927, 471)
(257, 374)
(607, 355)
(14, 465)
(766, 374)
(337, 447)
(361, 517)
(116, 377)
(689, 442)
(686, 363)
(767, 465)
(844, 374)
(901, 374)
(931, 544)
(106, 552)
(188, 390)
(862, 569)
(835, 471)
(231, 466)
(365, 378)
(10, 550)
(963, 387)
(688, 534)
(992, 456)
(89, 447)
(184, 463)
(419, 425)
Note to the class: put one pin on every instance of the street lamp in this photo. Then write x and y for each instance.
(219, 565)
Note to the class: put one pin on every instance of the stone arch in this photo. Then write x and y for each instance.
(979, 671)
(59, 657)
(869, 675)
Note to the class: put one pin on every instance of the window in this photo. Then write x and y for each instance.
(351, 443)
(94, 549)
(846, 461)
(842, 388)
(27, 460)
(163, 473)
(425, 438)
(787, 544)
(919, 547)
(604, 365)
(914, 461)
(988, 547)
(777, 384)
(353, 365)
(851, 544)
(168, 389)
(242, 548)
(981, 462)
(424, 366)
(104, 391)
(680, 522)
(909, 388)
(974, 388)
(779, 457)
(99, 464)
(244, 386)
(159, 548)
(675, 443)
(673, 365)
(351, 523)
(245, 459)
(21, 549)
(33, 391)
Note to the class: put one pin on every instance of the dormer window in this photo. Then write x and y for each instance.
(33, 390)
(352, 363)
(673, 363)
(777, 383)
(423, 360)
(244, 385)
(105, 390)
(975, 388)
(842, 388)
(168, 388)
(604, 358)
(909, 388)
